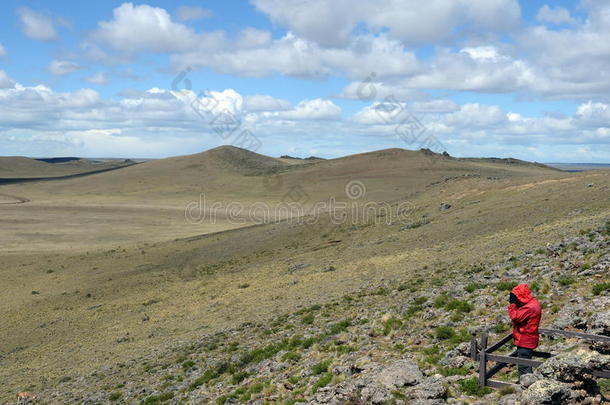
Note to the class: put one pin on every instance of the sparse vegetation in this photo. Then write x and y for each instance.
(470, 386)
(600, 288)
(506, 285)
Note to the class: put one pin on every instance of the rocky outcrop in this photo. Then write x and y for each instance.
(377, 383)
(547, 392)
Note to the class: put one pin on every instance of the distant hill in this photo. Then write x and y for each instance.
(16, 167)
(235, 174)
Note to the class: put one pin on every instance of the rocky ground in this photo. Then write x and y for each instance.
(393, 343)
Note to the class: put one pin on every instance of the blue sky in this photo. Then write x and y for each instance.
(476, 78)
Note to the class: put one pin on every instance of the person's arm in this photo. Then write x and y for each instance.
(518, 314)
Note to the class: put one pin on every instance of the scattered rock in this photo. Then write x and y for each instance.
(527, 379)
(400, 373)
(445, 206)
(298, 266)
(545, 392)
(573, 366)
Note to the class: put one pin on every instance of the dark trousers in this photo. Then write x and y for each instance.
(524, 353)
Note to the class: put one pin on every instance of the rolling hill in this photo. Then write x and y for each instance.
(104, 271)
(18, 167)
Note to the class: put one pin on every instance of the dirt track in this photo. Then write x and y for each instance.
(12, 199)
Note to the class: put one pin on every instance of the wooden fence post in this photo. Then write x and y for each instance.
(483, 361)
(473, 348)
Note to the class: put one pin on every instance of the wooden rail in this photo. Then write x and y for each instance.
(482, 353)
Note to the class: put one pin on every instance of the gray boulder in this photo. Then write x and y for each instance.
(547, 392)
(600, 323)
(400, 373)
(573, 366)
(432, 388)
(527, 380)
(457, 357)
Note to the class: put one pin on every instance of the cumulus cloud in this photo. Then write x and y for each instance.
(98, 78)
(187, 13)
(5, 81)
(554, 15)
(36, 25)
(62, 67)
(297, 57)
(317, 109)
(144, 28)
(260, 102)
(156, 123)
(331, 22)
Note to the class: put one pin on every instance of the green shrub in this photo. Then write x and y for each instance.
(500, 327)
(471, 387)
(412, 310)
(187, 365)
(157, 399)
(320, 367)
(390, 324)
(472, 287)
(420, 300)
(506, 285)
(432, 354)
(291, 356)
(597, 289)
(239, 377)
(566, 281)
(115, 396)
(461, 336)
(308, 319)
(455, 371)
(445, 332)
(322, 382)
(340, 327)
(440, 301)
(459, 306)
(207, 376)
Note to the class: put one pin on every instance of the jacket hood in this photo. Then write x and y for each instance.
(523, 293)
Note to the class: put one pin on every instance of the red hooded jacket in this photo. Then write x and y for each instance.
(526, 318)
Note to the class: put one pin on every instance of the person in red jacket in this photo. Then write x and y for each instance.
(525, 312)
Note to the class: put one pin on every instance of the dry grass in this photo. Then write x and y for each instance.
(152, 290)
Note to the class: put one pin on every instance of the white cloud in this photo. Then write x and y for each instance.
(261, 102)
(187, 13)
(98, 78)
(316, 109)
(381, 113)
(62, 67)
(253, 38)
(36, 25)
(331, 22)
(477, 116)
(155, 123)
(5, 81)
(2, 50)
(144, 28)
(554, 15)
(297, 57)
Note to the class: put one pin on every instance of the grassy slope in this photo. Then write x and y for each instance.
(22, 167)
(190, 287)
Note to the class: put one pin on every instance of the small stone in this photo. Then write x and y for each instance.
(527, 379)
